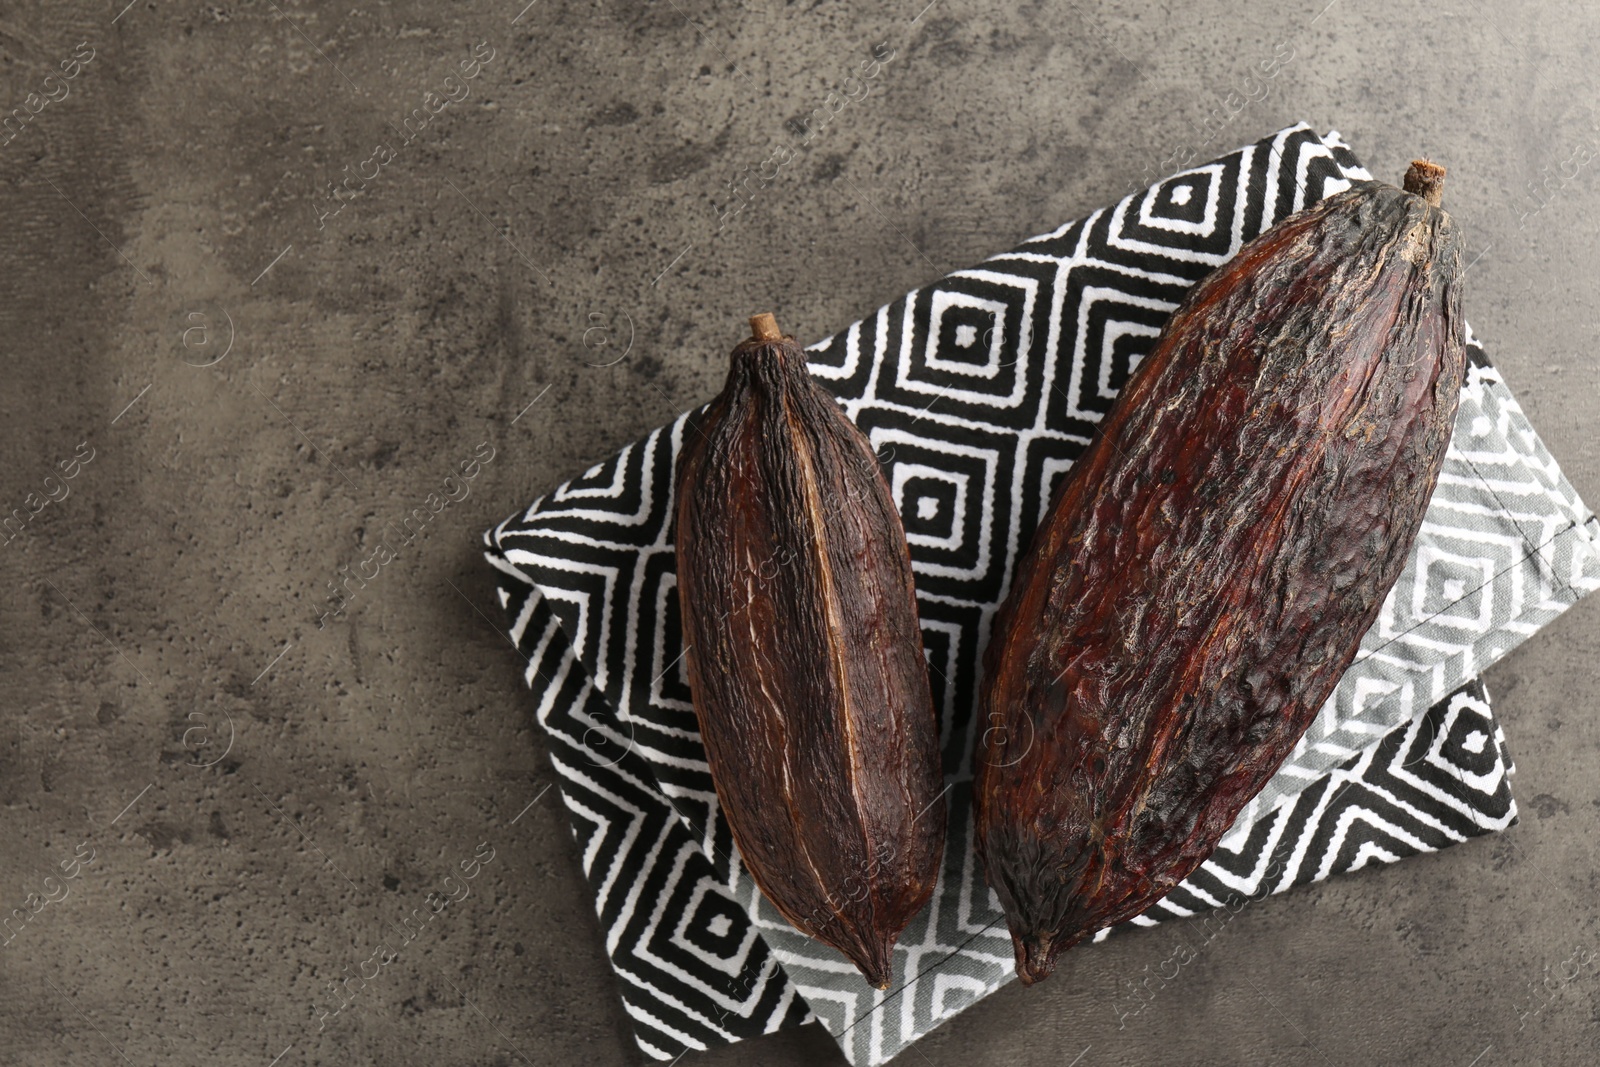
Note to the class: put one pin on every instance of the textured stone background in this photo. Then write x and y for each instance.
(168, 604)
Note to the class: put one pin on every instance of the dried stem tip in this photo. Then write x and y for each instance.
(1426, 179)
(764, 327)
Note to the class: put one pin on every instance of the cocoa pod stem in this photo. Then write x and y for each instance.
(1426, 179)
(764, 327)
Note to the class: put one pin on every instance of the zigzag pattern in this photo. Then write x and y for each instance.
(978, 393)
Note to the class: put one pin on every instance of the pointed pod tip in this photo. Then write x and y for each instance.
(1036, 958)
(1426, 179)
(873, 958)
(879, 970)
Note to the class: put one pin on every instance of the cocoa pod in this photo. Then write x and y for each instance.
(1208, 567)
(805, 656)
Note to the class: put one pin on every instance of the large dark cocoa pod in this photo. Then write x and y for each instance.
(1209, 565)
(805, 656)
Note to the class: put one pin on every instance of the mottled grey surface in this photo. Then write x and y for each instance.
(166, 601)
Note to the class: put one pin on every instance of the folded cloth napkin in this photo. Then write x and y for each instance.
(978, 392)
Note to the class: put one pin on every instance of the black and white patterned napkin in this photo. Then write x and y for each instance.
(978, 392)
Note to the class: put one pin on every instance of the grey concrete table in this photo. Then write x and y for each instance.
(250, 370)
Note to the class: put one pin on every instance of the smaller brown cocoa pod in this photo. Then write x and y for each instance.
(805, 656)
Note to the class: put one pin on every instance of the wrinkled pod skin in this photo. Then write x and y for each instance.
(1209, 565)
(805, 656)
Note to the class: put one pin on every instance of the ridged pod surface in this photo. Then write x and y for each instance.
(1208, 567)
(805, 656)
